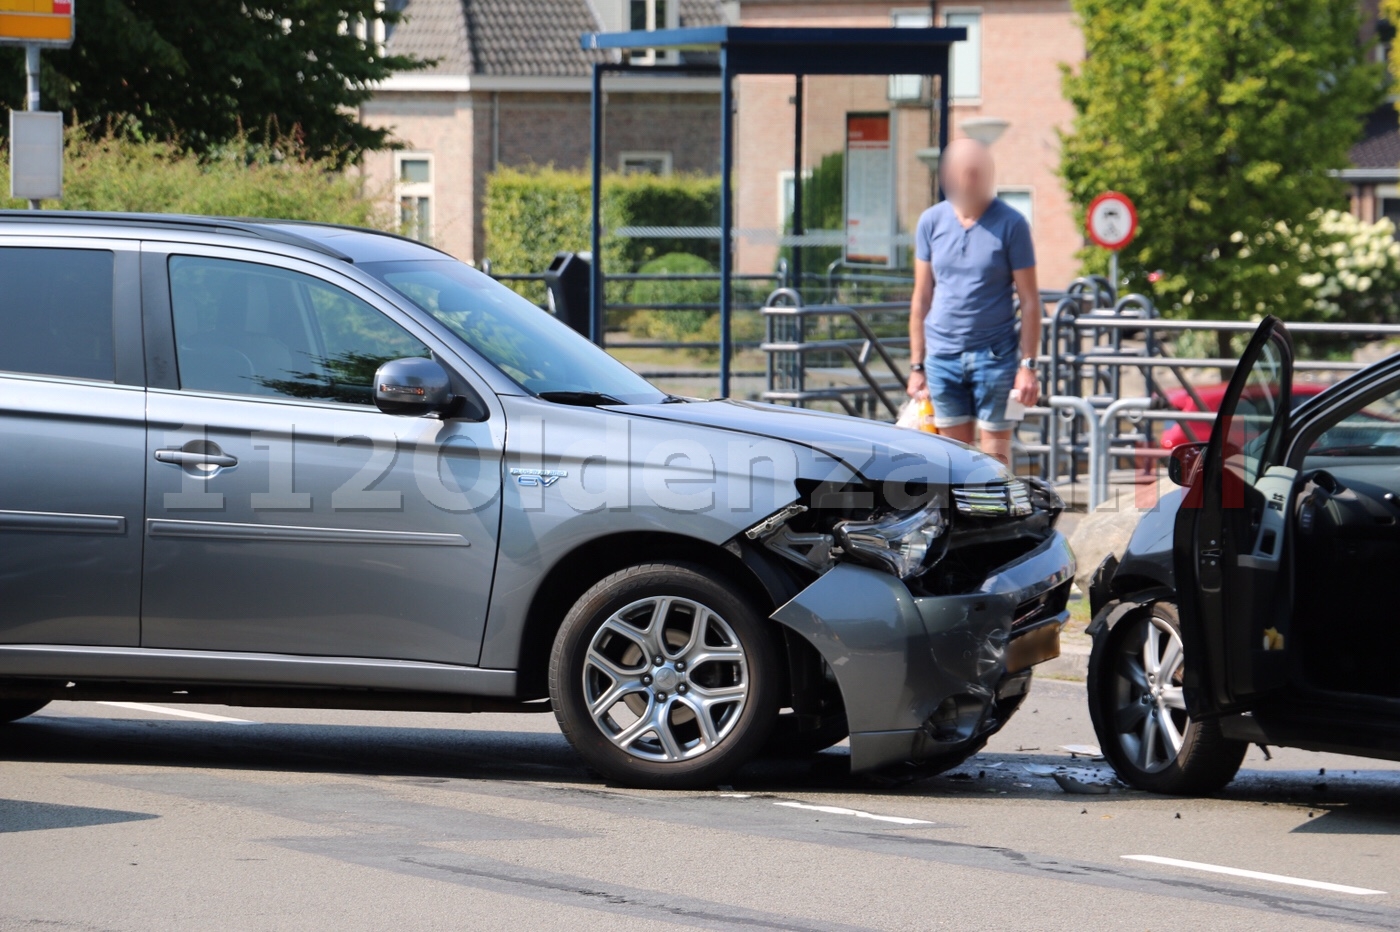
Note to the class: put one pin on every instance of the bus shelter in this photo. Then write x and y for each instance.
(731, 51)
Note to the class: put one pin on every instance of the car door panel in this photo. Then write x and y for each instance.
(72, 428)
(1231, 543)
(300, 526)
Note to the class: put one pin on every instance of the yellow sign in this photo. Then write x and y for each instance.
(38, 22)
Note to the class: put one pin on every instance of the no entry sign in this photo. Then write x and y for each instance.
(1112, 220)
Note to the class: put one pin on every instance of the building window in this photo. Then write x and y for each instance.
(645, 163)
(649, 16)
(909, 88)
(787, 194)
(965, 66)
(1022, 199)
(1388, 205)
(414, 187)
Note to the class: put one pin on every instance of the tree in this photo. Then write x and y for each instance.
(202, 74)
(1221, 119)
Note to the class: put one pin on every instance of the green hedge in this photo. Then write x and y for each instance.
(530, 214)
(242, 180)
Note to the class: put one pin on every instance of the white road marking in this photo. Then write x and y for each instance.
(180, 713)
(1254, 875)
(837, 810)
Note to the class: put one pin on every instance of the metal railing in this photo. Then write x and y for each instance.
(616, 286)
(1091, 340)
(854, 357)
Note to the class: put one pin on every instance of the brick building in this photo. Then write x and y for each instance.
(510, 86)
(1007, 70)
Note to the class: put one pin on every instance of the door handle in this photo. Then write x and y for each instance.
(181, 457)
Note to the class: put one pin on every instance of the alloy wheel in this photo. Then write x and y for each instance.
(1150, 708)
(665, 679)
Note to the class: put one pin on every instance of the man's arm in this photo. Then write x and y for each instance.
(918, 310)
(1027, 380)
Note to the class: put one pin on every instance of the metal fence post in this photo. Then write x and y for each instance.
(1085, 410)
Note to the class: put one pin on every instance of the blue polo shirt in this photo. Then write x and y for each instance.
(973, 289)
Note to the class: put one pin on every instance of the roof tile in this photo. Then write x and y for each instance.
(511, 37)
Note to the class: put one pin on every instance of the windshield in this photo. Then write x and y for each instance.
(529, 345)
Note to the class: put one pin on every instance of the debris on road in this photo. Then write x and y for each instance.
(1078, 784)
(1090, 751)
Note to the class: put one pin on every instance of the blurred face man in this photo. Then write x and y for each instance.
(969, 177)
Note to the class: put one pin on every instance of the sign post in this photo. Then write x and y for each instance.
(36, 166)
(1111, 222)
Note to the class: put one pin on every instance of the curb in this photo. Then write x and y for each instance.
(1072, 664)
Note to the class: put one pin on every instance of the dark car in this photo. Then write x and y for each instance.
(1258, 604)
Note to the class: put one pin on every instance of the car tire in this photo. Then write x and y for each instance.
(12, 710)
(651, 656)
(1139, 713)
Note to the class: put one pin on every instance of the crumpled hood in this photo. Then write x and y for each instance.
(876, 450)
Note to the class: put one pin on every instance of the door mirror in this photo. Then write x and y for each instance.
(1185, 459)
(412, 387)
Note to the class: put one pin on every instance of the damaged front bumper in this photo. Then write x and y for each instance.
(926, 676)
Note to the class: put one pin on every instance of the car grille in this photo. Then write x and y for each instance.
(997, 499)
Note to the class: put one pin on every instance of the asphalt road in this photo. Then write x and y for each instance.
(138, 819)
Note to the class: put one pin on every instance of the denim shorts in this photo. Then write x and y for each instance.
(975, 383)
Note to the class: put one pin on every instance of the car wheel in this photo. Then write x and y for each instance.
(12, 710)
(662, 677)
(1139, 711)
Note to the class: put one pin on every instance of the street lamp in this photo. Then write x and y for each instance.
(985, 130)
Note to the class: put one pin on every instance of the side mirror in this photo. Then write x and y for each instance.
(1183, 463)
(412, 387)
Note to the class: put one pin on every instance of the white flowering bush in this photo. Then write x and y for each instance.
(1352, 269)
(1331, 266)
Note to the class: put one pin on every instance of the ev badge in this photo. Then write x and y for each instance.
(538, 477)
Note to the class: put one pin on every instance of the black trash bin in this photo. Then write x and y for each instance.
(569, 279)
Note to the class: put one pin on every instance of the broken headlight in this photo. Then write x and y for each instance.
(905, 543)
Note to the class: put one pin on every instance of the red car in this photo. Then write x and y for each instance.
(1210, 395)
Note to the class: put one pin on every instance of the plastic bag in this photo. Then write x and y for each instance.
(917, 414)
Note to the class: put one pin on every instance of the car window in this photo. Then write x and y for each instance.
(529, 345)
(1372, 430)
(56, 313)
(1249, 429)
(251, 329)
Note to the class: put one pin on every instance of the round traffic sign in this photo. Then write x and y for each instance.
(1111, 220)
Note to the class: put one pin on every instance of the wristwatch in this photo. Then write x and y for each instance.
(916, 367)
(1030, 362)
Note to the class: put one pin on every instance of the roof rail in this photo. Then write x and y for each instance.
(237, 227)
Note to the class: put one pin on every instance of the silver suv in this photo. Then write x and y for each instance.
(268, 463)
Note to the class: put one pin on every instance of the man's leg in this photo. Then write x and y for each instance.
(961, 432)
(951, 394)
(997, 443)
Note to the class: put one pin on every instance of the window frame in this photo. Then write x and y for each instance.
(954, 98)
(128, 366)
(909, 18)
(1028, 191)
(673, 20)
(665, 156)
(462, 364)
(418, 190)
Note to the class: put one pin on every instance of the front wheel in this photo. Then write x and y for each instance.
(1139, 711)
(662, 677)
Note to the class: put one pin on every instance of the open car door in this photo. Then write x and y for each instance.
(1229, 550)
